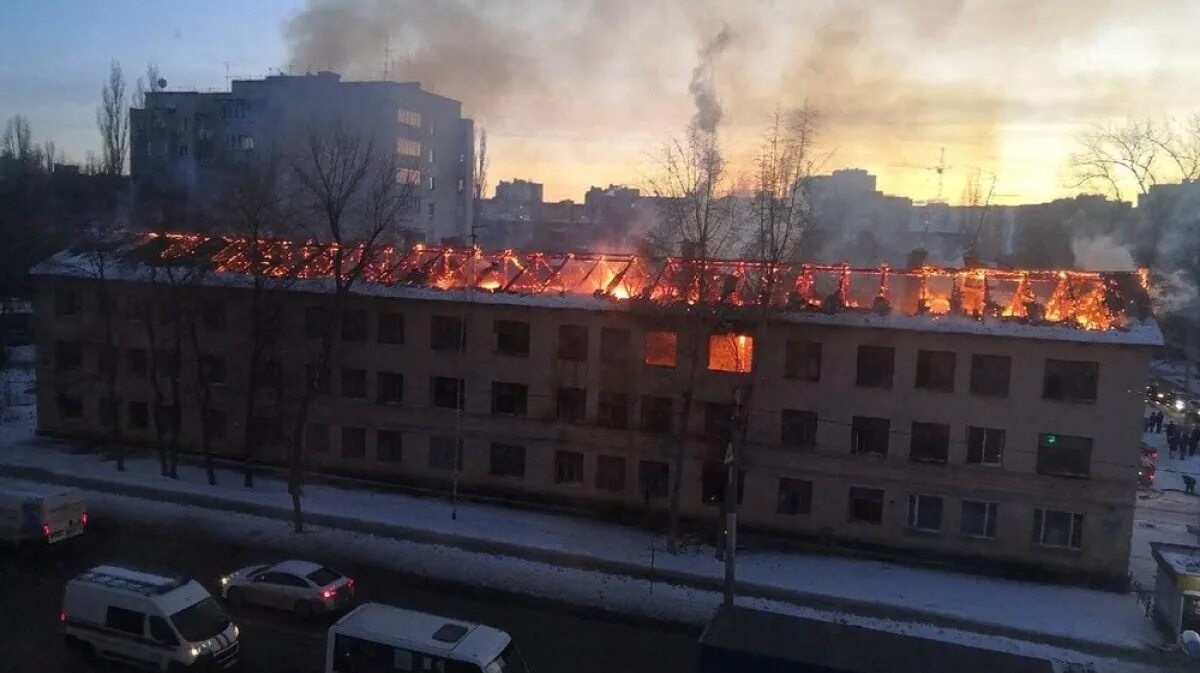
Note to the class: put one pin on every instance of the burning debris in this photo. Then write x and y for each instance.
(1091, 300)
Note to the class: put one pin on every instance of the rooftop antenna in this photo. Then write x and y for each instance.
(227, 74)
(387, 56)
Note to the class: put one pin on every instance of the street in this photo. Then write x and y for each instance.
(552, 638)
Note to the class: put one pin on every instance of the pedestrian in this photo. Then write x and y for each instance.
(1172, 432)
(1148, 423)
(1171, 446)
(1189, 485)
(1158, 421)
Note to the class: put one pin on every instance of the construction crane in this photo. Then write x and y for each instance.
(939, 168)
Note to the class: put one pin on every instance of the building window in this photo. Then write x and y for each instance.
(930, 443)
(66, 302)
(388, 445)
(317, 379)
(408, 118)
(446, 392)
(935, 370)
(354, 442)
(391, 328)
(183, 150)
(211, 368)
(795, 496)
(572, 342)
(318, 437)
(1070, 380)
(408, 176)
(462, 185)
(235, 110)
(1064, 455)
(730, 353)
(875, 365)
(654, 478)
(1052, 528)
(568, 467)
(432, 183)
(431, 208)
(354, 383)
(572, 404)
(107, 361)
(509, 399)
(660, 348)
(139, 415)
(990, 374)
(407, 147)
(925, 513)
(714, 477)
(866, 505)
(316, 321)
(802, 360)
(430, 158)
(978, 519)
(798, 428)
(239, 142)
(610, 473)
(512, 337)
(445, 452)
(718, 421)
(69, 406)
(506, 460)
(869, 436)
(354, 325)
(212, 315)
(656, 414)
(447, 333)
(613, 411)
(985, 446)
(214, 425)
(135, 362)
(389, 387)
(614, 344)
(68, 356)
(109, 412)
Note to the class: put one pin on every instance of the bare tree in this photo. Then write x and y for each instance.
(148, 83)
(781, 212)
(18, 140)
(112, 118)
(100, 250)
(479, 188)
(356, 199)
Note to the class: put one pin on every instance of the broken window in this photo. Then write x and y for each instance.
(714, 478)
(730, 353)
(875, 365)
(978, 519)
(317, 435)
(446, 392)
(388, 446)
(1052, 528)
(506, 460)
(798, 428)
(1070, 380)
(802, 360)
(354, 442)
(925, 513)
(718, 420)
(866, 505)
(1064, 455)
(445, 452)
(354, 383)
(509, 399)
(614, 344)
(512, 337)
(660, 348)
(656, 414)
(613, 411)
(795, 496)
(653, 478)
(447, 333)
(391, 328)
(610, 473)
(935, 370)
(985, 446)
(572, 342)
(572, 404)
(316, 321)
(869, 436)
(568, 467)
(930, 443)
(354, 325)
(389, 387)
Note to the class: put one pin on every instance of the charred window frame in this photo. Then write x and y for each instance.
(798, 428)
(615, 345)
(985, 446)
(865, 505)
(613, 410)
(935, 370)
(1064, 455)
(794, 496)
(447, 392)
(1070, 380)
(869, 436)
(511, 337)
(573, 342)
(802, 360)
(447, 333)
(571, 404)
(568, 467)
(509, 399)
(930, 443)
(876, 365)
(656, 414)
(610, 473)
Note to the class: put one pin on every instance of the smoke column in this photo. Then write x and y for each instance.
(701, 88)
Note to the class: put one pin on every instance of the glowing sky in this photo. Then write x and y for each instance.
(580, 93)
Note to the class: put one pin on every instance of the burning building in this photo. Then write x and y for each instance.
(991, 416)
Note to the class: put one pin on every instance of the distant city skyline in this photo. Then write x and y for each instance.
(593, 89)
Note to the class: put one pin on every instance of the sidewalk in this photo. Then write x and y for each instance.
(1114, 625)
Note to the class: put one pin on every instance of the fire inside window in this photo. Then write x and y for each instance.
(730, 353)
(660, 348)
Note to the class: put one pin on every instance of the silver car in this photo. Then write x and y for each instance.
(302, 587)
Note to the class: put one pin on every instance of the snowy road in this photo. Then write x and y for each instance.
(552, 638)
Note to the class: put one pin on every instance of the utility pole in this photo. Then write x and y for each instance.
(731, 494)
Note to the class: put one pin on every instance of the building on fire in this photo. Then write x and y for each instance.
(990, 416)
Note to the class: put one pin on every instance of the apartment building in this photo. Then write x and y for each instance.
(188, 142)
(1007, 442)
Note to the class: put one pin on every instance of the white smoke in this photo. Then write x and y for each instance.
(1101, 253)
(702, 89)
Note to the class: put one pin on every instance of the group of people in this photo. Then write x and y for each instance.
(1182, 442)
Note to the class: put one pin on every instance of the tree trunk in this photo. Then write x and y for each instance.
(685, 415)
(204, 391)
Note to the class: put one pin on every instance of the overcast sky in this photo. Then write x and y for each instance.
(579, 93)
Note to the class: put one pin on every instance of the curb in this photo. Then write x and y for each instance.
(589, 563)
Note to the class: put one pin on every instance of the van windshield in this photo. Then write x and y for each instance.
(201, 621)
(509, 661)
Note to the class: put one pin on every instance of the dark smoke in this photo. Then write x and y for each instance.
(702, 89)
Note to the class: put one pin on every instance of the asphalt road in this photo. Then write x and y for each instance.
(552, 637)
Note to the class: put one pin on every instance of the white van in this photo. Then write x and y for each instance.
(376, 638)
(40, 513)
(151, 621)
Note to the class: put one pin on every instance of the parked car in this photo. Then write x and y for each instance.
(40, 513)
(303, 587)
(1150, 453)
(1146, 474)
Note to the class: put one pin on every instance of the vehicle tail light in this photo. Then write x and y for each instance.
(328, 593)
(62, 616)
(46, 529)
(349, 581)
(83, 518)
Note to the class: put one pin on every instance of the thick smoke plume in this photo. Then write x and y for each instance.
(702, 89)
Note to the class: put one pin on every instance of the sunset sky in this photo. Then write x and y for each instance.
(580, 93)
